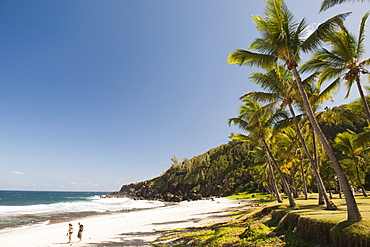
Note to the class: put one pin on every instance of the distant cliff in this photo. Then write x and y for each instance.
(221, 171)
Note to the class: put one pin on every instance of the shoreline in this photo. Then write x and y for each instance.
(135, 228)
(65, 217)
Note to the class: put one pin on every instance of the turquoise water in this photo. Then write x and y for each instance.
(30, 208)
(26, 198)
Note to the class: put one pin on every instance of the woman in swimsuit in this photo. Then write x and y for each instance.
(80, 230)
(69, 233)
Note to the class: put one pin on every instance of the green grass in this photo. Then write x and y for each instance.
(309, 208)
(248, 196)
(227, 234)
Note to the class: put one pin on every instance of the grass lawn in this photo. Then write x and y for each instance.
(309, 208)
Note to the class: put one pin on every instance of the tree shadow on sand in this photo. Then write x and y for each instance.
(129, 239)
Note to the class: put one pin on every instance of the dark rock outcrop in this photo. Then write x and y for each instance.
(146, 191)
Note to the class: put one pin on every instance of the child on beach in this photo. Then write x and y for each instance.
(69, 233)
(80, 230)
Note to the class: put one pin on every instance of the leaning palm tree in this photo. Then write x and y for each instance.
(346, 143)
(256, 119)
(343, 60)
(326, 4)
(280, 92)
(284, 39)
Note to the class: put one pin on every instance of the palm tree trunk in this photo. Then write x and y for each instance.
(286, 186)
(274, 185)
(353, 213)
(304, 181)
(320, 184)
(294, 186)
(316, 164)
(359, 178)
(339, 187)
(363, 98)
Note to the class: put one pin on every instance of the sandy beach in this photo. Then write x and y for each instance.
(137, 228)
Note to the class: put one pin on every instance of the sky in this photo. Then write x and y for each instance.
(98, 94)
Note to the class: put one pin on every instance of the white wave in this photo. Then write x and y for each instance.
(94, 204)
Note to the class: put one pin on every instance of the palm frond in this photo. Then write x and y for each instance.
(321, 60)
(365, 62)
(240, 137)
(326, 4)
(363, 139)
(243, 125)
(314, 41)
(361, 35)
(283, 124)
(276, 79)
(343, 45)
(329, 90)
(250, 58)
(348, 85)
(344, 141)
(262, 97)
(330, 73)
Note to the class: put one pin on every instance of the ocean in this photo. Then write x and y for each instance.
(22, 209)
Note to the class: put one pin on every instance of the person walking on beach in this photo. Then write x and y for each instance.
(80, 230)
(69, 233)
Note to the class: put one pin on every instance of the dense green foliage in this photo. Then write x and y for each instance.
(220, 171)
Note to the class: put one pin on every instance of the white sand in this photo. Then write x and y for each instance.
(137, 228)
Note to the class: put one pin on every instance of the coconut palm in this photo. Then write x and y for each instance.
(256, 119)
(326, 4)
(259, 154)
(284, 39)
(316, 96)
(343, 60)
(279, 84)
(346, 143)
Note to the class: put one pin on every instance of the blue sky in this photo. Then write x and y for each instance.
(97, 94)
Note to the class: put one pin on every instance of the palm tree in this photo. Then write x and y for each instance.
(256, 119)
(346, 143)
(283, 39)
(326, 4)
(279, 84)
(316, 96)
(260, 154)
(343, 60)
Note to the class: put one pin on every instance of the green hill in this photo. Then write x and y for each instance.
(221, 171)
